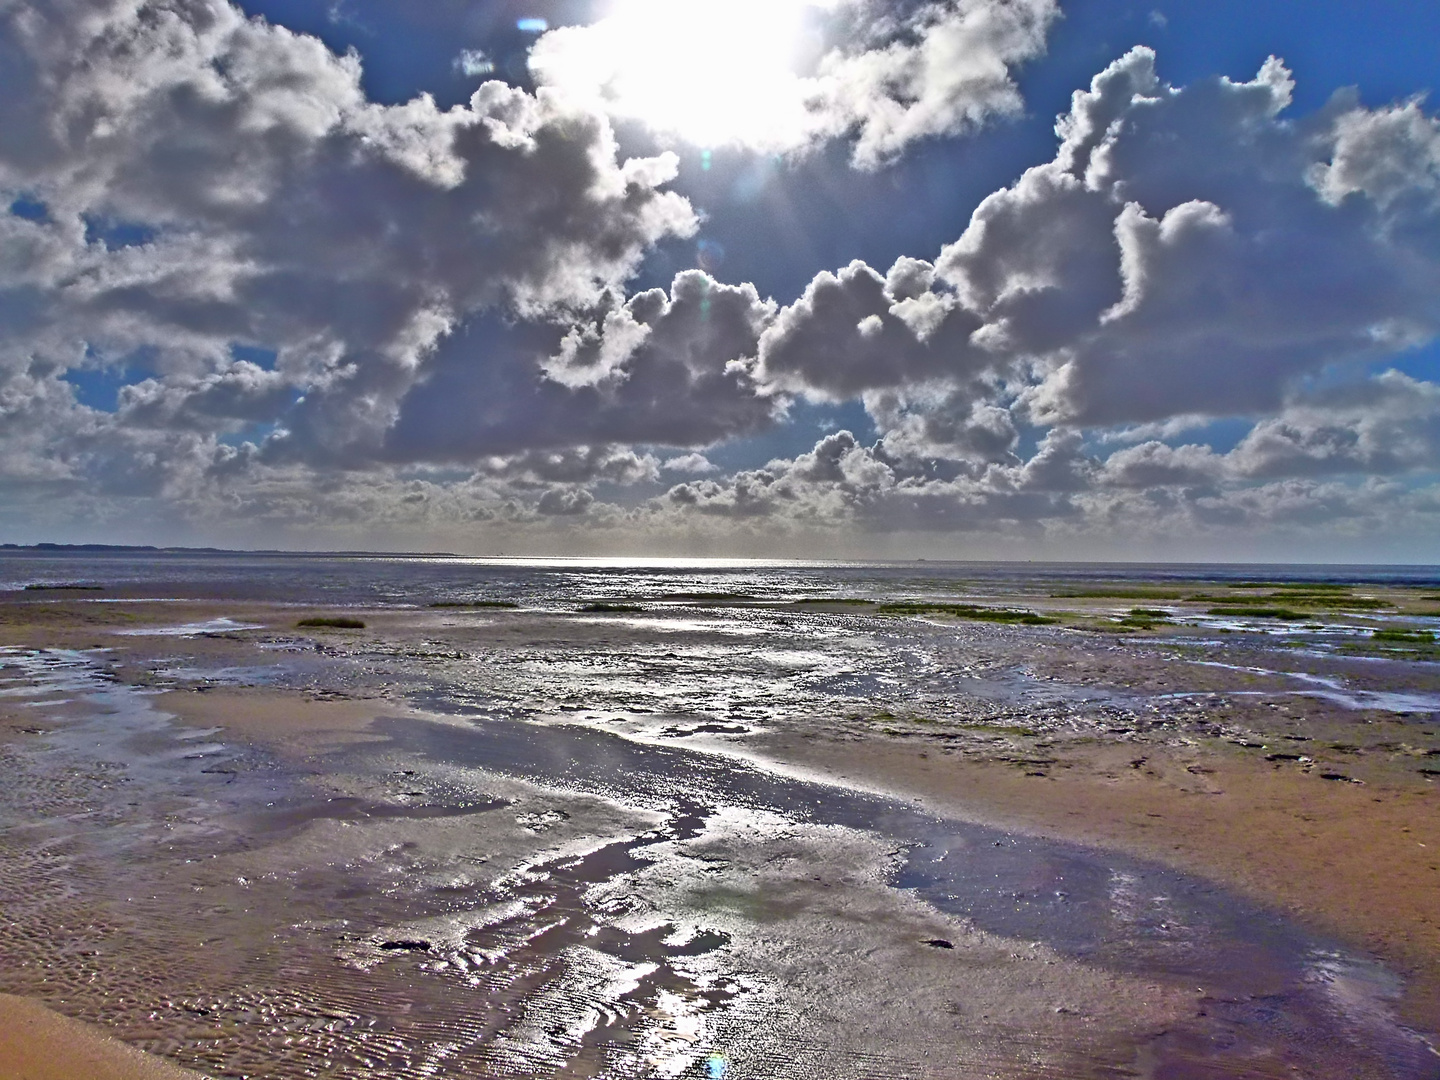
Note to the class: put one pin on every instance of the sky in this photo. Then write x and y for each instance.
(839, 278)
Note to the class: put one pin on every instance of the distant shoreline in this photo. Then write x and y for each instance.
(152, 549)
(1037, 565)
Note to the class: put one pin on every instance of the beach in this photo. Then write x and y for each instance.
(636, 827)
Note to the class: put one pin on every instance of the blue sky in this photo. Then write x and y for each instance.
(768, 279)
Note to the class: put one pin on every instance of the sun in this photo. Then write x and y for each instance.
(709, 72)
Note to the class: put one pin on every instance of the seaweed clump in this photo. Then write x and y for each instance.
(331, 622)
(605, 607)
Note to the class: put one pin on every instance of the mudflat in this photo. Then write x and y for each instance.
(371, 800)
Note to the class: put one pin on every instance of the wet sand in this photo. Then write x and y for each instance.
(1360, 862)
(37, 1043)
(1353, 860)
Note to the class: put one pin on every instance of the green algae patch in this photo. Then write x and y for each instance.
(1397, 644)
(330, 622)
(1333, 601)
(1327, 597)
(1405, 637)
(968, 611)
(1259, 613)
(1145, 618)
(1295, 586)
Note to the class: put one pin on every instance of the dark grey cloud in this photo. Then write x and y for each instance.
(855, 331)
(930, 427)
(1388, 425)
(1156, 464)
(1187, 251)
(842, 483)
(283, 210)
(564, 502)
(671, 368)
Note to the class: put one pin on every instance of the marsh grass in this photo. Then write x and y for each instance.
(1259, 613)
(1397, 644)
(1337, 602)
(331, 622)
(1327, 599)
(1145, 618)
(1295, 586)
(967, 611)
(1405, 637)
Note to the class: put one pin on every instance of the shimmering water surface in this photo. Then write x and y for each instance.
(568, 863)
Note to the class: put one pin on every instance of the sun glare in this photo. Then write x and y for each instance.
(710, 72)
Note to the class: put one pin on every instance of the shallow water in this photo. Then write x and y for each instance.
(548, 583)
(1334, 689)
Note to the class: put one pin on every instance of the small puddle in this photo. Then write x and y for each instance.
(1326, 688)
(195, 629)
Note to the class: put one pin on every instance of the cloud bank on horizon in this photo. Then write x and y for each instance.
(242, 300)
